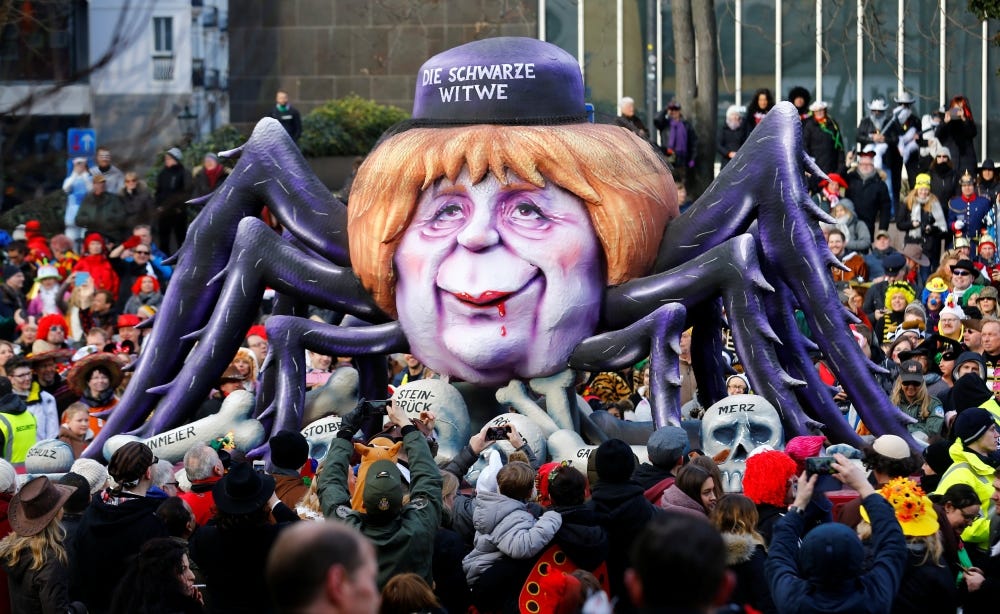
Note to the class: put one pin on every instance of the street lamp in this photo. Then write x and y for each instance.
(189, 123)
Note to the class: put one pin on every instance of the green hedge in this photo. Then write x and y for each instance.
(346, 127)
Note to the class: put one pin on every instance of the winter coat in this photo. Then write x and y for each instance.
(113, 529)
(105, 214)
(137, 301)
(729, 140)
(129, 272)
(944, 182)
(44, 590)
(960, 139)
(173, 188)
(138, 205)
(971, 469)
(581, 536)
(929, 230)
(858, 238)
(676, 500)
(625, 512)
(925, 588)
(971, 214)
(42, 406)
(745, 557)
(871, 199)
(100, 270)
(824, 143)
(290, 488)
(505, 528)
(872, 591)
(233, 563)
(405, 543)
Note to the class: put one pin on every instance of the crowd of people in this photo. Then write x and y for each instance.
(377, 525)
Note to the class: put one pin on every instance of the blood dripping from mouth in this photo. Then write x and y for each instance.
(502, 312)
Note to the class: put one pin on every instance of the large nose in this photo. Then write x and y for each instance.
(480, 233)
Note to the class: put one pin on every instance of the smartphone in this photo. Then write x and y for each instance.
(81, 278)
(820, 465)
(258, 466)
(956, 112)
(497, 433)
(377, 408)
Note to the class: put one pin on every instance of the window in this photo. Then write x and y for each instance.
(163, 35)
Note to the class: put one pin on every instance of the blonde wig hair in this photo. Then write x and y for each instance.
(625, 185)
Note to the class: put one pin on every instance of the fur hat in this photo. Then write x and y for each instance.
(289, 450)
(615, 461)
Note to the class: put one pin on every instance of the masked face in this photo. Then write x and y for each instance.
(739, 423)
(498, 280)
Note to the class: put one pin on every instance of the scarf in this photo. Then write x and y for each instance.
(678, 139)
(915, 211)
(213, 175)
(100, 401)
(832, 132)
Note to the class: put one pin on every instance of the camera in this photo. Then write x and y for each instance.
(497, 433)
(375, 408)
(258, 466)
(820, 465)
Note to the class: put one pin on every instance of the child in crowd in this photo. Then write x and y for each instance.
(75, 427)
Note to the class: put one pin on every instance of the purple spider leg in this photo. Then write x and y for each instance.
(290, 337)
(657, 335)
(189, 302)
(707, 322)
(730, 268)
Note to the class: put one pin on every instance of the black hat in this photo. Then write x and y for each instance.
(78, 501)
(988, 165)
(614, 461)
(894, 262)
(966, 265)
(289, 450)
(936, 455)
(911, 372)
(972, 423)
(242, 490)
(130, 462)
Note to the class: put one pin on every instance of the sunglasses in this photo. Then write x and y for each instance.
(961, 273)
(135, 251)
(910, 385)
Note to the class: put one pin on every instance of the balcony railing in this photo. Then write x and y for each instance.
(163, 68)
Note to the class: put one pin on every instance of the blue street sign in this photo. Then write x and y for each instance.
(81, 141)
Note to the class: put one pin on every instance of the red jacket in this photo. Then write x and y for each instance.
(201, 500)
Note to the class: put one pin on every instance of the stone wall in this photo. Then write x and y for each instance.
(318, 50)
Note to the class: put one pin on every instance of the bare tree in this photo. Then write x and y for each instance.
(695, 51)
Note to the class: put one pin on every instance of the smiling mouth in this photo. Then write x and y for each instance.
(489, 298)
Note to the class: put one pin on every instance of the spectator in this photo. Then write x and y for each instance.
(986, 183)
(678, 139)
(958, 134)
(132, 261)
(75, 506)
(97, 265)
(75, 427)
(508, 538)
(33, 555)
(102, 212)
(322, 567)
(869, 193)
(287, 115)
(975, 433)
(160, 581)
(735, 516)
(732, 135)
(826, 574)
(694, 553)
(41, 404)
(77, 185)
(207, 178)
(403, 536)
(257, 342)
(136, 200)
(204, 468)
(910, 395)
(48, 298)
(115, 526)
(629, 120)
(692, 493)
(232, 551)
(104, 168)
(13, 302)
(967, 213)
(760, 105)
(888, 457)
(95, 378)
(406, 593)
(957, 508)
(767, 481)
(289, 452)
(944, 177)
(173, 188)
(17, 425)
(667, 449)
(822, 139)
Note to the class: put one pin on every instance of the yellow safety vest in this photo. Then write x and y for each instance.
(19, 434)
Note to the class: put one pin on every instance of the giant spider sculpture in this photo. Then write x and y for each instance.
(500, 236)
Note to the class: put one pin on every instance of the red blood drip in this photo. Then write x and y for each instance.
(503, 331)
(502, 308)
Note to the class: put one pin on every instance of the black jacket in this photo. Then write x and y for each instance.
(729, 140)
(582, 536)
(43, 590)
(871, 199)
(825, 146)
(111, 532)
(648, 475)
(173, 188)
(290, 120)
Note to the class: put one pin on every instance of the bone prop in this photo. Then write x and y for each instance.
(567, 445)
(319, 434)
(448, 406)
(234, 417)
(560, 398)
(515, 395)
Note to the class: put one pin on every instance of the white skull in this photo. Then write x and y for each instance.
(739, 423)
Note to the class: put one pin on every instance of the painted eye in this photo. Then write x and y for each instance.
(526, 210)
(449, 211)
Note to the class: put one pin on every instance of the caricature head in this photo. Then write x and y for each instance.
(492, 243)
